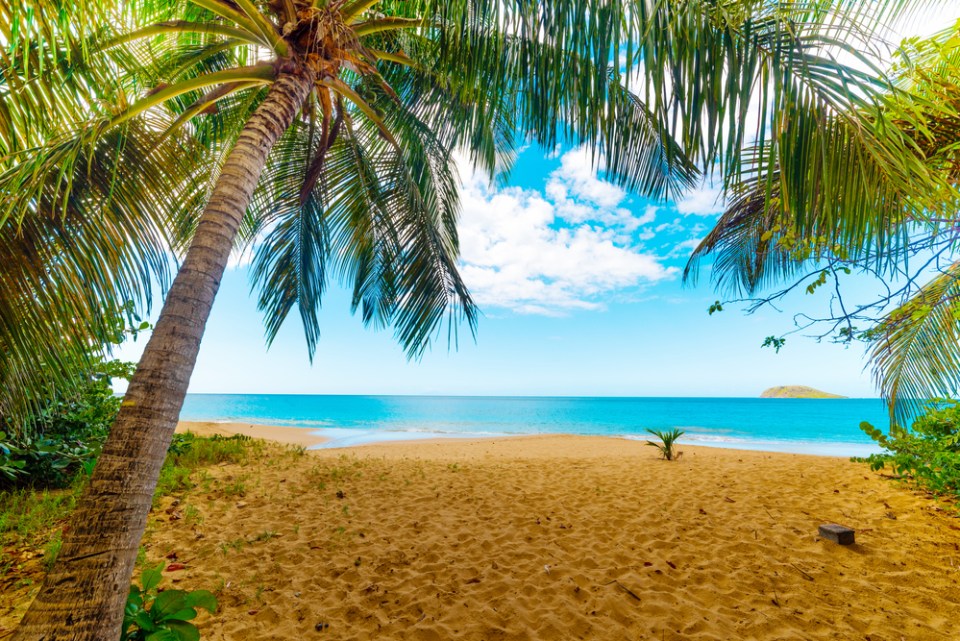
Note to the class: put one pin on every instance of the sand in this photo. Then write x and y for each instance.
(559, 537)
(276, 433)
(553, 537)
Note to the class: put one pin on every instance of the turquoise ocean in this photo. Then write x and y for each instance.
(827, 427)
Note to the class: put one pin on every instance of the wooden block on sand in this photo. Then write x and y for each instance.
(837, 533)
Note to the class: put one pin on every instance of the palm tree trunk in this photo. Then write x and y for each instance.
(84, 594)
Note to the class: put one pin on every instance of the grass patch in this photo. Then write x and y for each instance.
(174, 479)
(31, 518)
(189, 452)
(192, 515)
(266, 535)
(27, 513)
(236, 545)
(236, 488)
(216, 449)
(51, 550)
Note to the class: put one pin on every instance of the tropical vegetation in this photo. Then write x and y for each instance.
(319, 135)
(66, 433)
(152, 614)
(893, 221)
(33, 516)
(927, 453)
(46, 442)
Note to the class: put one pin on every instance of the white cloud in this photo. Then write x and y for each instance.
(705, 200)
(685, 248)
(672, 228)
(553, 252)
(649, 215)
(580, 196)
(577, 177)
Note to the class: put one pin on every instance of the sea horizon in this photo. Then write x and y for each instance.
(809, 426)
(574, 396)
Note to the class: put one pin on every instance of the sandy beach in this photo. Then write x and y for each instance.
(557, 537)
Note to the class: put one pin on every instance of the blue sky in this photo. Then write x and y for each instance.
(579, 284)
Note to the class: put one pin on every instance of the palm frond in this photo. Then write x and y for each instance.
(863, 211)
(748, 247)
(380, 218)
(64, 269)
(578, 102)
(915, 353)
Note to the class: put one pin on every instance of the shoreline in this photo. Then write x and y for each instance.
(326, 438)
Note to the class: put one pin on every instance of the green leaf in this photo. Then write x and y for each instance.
(167, 602)
(185, 614)
(183, 631)
(145, 621)
(134, 599)
(775, 342)
(151, 578)
(202, 599)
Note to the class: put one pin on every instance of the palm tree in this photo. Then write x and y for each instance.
(889, 215)
(326, 130)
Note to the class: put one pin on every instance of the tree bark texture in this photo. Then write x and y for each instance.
(83, 596)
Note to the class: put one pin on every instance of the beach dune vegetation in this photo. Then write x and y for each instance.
(320, 137)
(65, 430)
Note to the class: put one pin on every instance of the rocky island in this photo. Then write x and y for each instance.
(796, 391)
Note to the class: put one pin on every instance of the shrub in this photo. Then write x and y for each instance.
(213, 450)
(667, 441)
(66, 435)
(928, 452)
(11, 461)
(166, 615)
